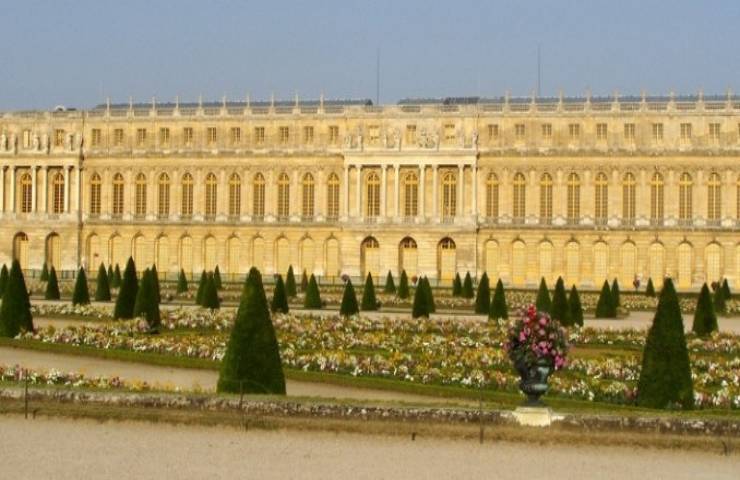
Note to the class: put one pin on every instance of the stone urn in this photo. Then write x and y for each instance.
(534, 379)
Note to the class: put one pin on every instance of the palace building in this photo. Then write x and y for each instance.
(522, 188)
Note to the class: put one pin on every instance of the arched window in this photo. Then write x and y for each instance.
(370, 257)
(492, 196)
(546, 199)
(601, 198)
(574, 199)
(117, 207)
(163, 195)
(235, 195)
(656, 199)
(258, 199)
(449, 195)
(685, 198)
(628, 199)
(446, 259)
(411, 195)
(714, 198)
(57, 201)
(283, 185)
(372, 186)
(140, 195)
(520, 200)
(408, 256)
(26, 193)
(332, 196)
(211, 195)
(186, 207)
(307, 190)
(95, 187)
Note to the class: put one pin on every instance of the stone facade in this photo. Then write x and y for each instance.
(586, 188)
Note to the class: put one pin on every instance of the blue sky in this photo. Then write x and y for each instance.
(78, 52)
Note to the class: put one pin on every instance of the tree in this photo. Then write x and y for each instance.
(44, 277)
(457, 286)
(403, 286)
(102, 287)
(420, 307)
(52, 286)
(313, 297)
(3, 279)
(182, 282)
(467, 288)
(118, 279)
(290, 287)
(15, 309)
(279, 298)
(429, 296)
(559, 309)
(110, 274)
(605, 306)
(616, 296)
(210, 293)
(499, 310)
(720, 302)
(575, 307)
(349, 301)
(155, 284)
(543, 302)
(81, 294)
(650, 289)
(726, 289)
(252, 362)
(304, 281)
(390, 285)
(483, 296)
(147, 305)
(705, 318)
(369, 302)
(201, 288)
(665, 378)
(217, 279)
(127, 294)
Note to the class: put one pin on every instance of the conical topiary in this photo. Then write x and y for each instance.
(543, 302)
(349, 305)
(420, 307)
(201, 288)
(44, 277)
(304, 281)
(15, 308)
(650, 289)
(142, 294)
(3, 279)
(110, 275)
(705, 319)
(210, 294)
(102, 287)
(126, 299)
(559, 309)
(52, 286)
(117, 277)
(290, 286)
(369, 302)
(616, 295)
(155, 284)
(252, 363)
(726, 289)
(665, 378)
(499, 310)
(429, 296)
(147, 305)
(279, 298)
(605, 306)
(390, 285)
(720, 302)
(456, 286)
(483, 296)
(403, 286)
(182, 282)
(217, 279)
(81, 293)
(313, 297)
(575, 307)
(467, 287)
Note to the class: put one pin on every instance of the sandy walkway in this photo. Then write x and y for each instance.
(643, 320)
(186, 378)
(84, 449)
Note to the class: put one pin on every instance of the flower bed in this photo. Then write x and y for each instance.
(69, 310)
(53, 376)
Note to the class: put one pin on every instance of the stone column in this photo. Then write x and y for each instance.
(474, 203)
(358, 193)
(461, 190)
(396, 198)
(45, 191)
(422, 190)
(78, 189)
(66, 189)
(34, 169)
(435, 198)
(345, 197)
(383, 188)
(12, 189)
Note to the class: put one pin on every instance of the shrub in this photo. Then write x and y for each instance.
(279, 298)
(349, 301)
(52, 285)
(650, 289)
(252, 363)
(390, 285)
(616, 296)
(369, 302)
(110, 274)
(499, 310)
(403, 286)
(705, 319)
(102, 287)
(420, 307)
(726, 289)
(117, 276)
(467, 287)
(457, 286)
(201, 288)
(665, 378)
(155, 284)
(44, 277)
(182, 282)
(429, 296)
(559, 309)
(605, 306)
(304, 281)
(81, 294)
(15, 308)
(313, 297)
(126, 299)
(217, 279)
(3, 279)
(483, 296)
(575, 307)
(210, 294)
(720, 302)
(147, 305)
(543, 302)
(290, 287)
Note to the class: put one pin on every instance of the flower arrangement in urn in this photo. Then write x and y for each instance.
(537, 345)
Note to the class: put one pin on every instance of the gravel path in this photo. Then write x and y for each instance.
(70, 449)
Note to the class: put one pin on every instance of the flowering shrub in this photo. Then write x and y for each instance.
(67, 309)
(53, 376)
(535, 336)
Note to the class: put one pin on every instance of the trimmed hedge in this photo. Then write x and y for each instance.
(560, 309)
(81, 294)
(369, 301)
(403, 286)
(279, 298)
(605, 306)
(126, 299)
(467, 287)
(390, 285)
(543, 302)
(705, 318)
(483, 296)
(313, 297)
(52, 285)
(349, 305)
(499, 310)
(15, 309)
(102, 285)
(575, 307)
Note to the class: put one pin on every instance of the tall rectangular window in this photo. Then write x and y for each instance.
(59, 137)
(140, 137)
(284, 134)
(235, 136)
(308, 135)
(211, 136)
(118, 137)
(519, 131)
(601, 131)
(574, 131)
(547, 131)
(164, 137)
(629, 132)
(714, 132)
(187, 136)
(657, 132)
(685, 132)
(259, 135)
(410, 134)
(96, 136)
(492, 132)
(333, 134)
(449, 132)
